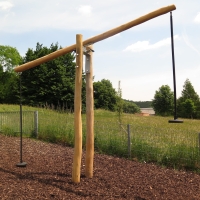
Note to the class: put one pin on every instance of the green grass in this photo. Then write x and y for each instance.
(153, 139)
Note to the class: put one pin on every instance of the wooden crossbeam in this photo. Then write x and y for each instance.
(97, 38)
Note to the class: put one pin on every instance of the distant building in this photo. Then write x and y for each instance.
(147, 111)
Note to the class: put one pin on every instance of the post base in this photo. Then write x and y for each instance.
(175, 121)
(22, 164)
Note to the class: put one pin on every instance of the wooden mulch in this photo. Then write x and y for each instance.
(49, 168)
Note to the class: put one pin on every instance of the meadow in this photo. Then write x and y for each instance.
(152, 138)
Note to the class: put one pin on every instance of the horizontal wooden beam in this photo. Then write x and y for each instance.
(97, 38)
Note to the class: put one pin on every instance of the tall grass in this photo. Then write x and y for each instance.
(153, 139)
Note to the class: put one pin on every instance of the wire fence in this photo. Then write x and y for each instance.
(111, 138)
(10, 122)
(168, 146)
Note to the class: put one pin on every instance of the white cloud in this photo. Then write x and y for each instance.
(85, 10)
(188, 43)
(5, 5)
(197, 18)
(145, 45)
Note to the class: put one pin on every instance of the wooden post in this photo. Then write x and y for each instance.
(77, 111)
(89, 115)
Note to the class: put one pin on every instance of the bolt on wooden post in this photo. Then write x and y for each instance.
(77, 111)
(89, 113)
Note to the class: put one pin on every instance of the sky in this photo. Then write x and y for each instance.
(139, 58)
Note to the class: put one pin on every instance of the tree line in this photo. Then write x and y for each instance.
(142, 104)
(51, 85)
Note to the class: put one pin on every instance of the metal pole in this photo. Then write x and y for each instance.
(36, 124)
(173, 65)
(198, 145)
(174, 73)
(199, 141)
(129, 140)
(21, 164)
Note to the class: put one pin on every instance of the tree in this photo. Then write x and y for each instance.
(188, 92)
(197, 111)
(130, 107)
(120, 102)
(187, 108)
(1, 85)
(143, 104)
(51, 83)
(11, 88)
(105, 95)
(163, 101)
(189, 102)
(9, 58)
(9, 81)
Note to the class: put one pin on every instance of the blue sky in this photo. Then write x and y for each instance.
(140, 58)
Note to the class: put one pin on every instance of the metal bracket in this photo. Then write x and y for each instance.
(86, 52)
(87, 63)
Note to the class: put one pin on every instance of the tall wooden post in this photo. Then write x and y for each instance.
(77, 111)
(89, 114)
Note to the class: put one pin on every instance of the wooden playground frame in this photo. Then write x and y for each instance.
(85, 47)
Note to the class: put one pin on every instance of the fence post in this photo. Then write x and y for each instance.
(129, 140)
(36, 123)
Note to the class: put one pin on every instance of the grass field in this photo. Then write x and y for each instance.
(153, 139)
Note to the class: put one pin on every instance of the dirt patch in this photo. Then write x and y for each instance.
(48, 176)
